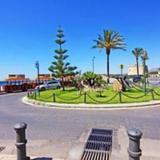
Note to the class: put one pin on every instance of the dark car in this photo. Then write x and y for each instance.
(136, 79)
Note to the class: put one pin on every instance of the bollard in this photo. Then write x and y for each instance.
(120, 97)
(134, 150)
(85, 97)
(54, 97)
(21, 141)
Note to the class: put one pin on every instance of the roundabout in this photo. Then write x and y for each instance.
(83, 106)
(92, 99)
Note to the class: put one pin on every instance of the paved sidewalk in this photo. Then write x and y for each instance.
(149, 147)
(47, 150)
(36, 149)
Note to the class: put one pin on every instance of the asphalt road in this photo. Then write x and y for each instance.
(67, 125)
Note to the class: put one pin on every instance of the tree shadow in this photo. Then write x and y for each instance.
(100, 96)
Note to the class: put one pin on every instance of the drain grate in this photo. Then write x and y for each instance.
(102, 131)
(99, 145)
(100, 138)
(88, 155)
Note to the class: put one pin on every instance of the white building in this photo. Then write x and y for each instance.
(132, 70)
(154, 73)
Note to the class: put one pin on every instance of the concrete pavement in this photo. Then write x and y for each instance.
(54, 133)
(44, 148)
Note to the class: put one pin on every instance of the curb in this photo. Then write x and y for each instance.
(2, 93)
(84, 106)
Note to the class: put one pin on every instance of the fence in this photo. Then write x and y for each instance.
(87, 98)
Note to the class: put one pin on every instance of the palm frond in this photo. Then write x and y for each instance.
(110, 40)
(137, 52)
(122, 48)
(100, 44)
(144, 56)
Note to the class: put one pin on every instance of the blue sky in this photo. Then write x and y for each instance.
(28, 28)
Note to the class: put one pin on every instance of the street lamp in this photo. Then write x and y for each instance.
(80, 72)
(37, 67)
(121, 67)
(93, 63)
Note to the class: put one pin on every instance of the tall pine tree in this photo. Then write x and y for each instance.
(60, 68)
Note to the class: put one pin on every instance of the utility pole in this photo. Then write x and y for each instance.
(93, 63)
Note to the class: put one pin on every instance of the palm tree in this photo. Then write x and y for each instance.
(110, 40)
(121, 67)
(144, 57)
(137, 53)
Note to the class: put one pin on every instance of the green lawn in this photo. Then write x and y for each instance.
(71, 95)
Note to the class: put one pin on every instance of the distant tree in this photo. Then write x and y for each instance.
(60, 68)
(110, 40)
(121, 68)
(99, 81)
(100, 84)
(137, 52)
(89, 78)
(144, 57)
(93, 80)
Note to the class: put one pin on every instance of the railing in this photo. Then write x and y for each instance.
(87, 98)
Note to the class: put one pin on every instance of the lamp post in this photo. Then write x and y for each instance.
(93, 63)
(37, 67)
(38, 81)
(80, 72)
(121, 68)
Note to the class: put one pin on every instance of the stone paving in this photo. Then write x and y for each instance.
(52, 133)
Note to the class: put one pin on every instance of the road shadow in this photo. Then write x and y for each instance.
(42, 158)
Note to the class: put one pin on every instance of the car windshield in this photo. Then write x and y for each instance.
(52, 82)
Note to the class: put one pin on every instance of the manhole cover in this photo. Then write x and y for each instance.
(98, 145)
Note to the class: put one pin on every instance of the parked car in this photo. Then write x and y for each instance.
(136, 79)
(49, 85)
